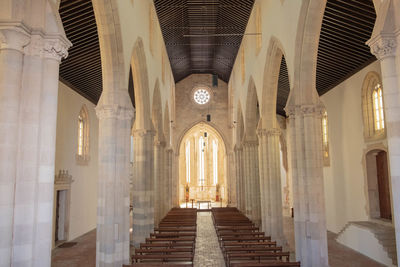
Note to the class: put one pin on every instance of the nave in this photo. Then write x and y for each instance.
(207, 252)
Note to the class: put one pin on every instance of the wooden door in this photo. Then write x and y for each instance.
(383, 185)
(57, 215)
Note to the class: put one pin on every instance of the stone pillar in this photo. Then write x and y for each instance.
(113, 193)
(270, 184)
(250, 149)
(28, 105)
(168, 200)
(143, 185)
(384, 47)
(12, 41)
(159, 180)
(231, 180)
(246, 181)
(308, 185)
(238, 179)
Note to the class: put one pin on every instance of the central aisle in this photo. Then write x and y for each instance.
(208, 252)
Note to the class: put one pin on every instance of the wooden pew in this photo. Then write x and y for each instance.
(260, 255)
(266, 264)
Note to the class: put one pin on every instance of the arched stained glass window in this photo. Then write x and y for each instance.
(201, 161)
(325, 140)
(188, 162)
(82, 155)
(377, 99)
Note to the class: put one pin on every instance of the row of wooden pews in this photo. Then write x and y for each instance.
(242, 243)
(173, 242)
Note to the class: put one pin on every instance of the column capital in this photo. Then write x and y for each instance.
(160, 143)
(114, 111)
(269, 132)
(383, 45)
(143, 133)
(13, 38)
(250, 143)
(56, 49)
(305, 110)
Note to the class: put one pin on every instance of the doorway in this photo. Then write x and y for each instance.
(383, 185)
(60, 217)
(378, 185)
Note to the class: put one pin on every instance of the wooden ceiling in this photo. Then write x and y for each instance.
(81, 70)
(342, 51)
(203, 36)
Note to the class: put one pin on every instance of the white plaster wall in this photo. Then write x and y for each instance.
(345, 178)
(84, 188)
(135, 20)
(279, 19)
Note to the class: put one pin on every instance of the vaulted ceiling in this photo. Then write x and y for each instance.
(203, 36)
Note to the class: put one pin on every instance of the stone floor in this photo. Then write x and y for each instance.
(208, 253)
(83, 254)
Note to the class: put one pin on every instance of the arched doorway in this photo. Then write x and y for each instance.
(202, 166)
(378, 184)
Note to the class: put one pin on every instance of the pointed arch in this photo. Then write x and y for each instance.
(157, 118)
(372, 81)
(111, 51)
(252, 111)
(275, 55)
(306, 52)
(167, 127)
(239, 124)
(82, 152)
(141, 82)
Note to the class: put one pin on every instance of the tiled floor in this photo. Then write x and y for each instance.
(207, 250)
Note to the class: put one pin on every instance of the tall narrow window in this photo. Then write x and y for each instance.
(201, 161)
(325, 142)
(188, 162)
(215, 161)
(378, 108)
(372, 108)
(82, 154)
(80, 135)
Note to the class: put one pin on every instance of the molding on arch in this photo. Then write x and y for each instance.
(250, 118)
(210, 124)
(306, 52)
(275, 52)
(141, 83)
(157, 113)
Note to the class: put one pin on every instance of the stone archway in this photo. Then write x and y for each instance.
(202, 165)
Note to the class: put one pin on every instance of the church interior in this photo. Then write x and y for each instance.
(199, 133)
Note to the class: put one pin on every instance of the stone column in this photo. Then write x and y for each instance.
(308, 185)
(159, 180)
(231, 180)
(113, 193)
(246, 181)
(12, 41)
(270, 183)
(143, 185)
(250, 149)
(384, 46)
(28, 102)
(169, 200)
(238, 179)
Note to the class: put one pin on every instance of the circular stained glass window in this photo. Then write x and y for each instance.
(201, 96)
